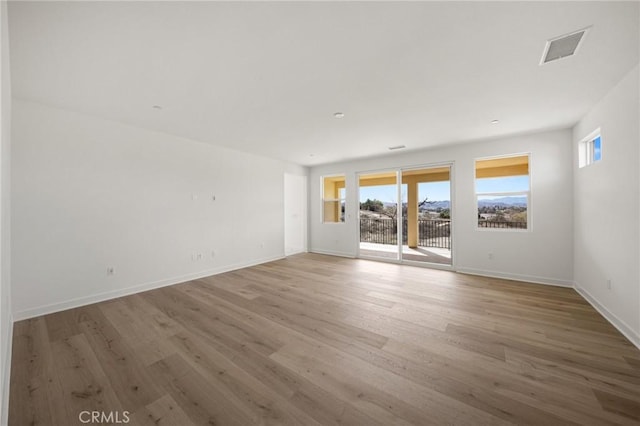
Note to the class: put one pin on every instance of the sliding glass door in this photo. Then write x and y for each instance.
(427, 215)
(379, 215)
(405, 215)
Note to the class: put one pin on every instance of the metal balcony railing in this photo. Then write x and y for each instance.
(501, 224)
(431, 232)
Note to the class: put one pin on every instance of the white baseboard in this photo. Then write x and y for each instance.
(470, 271)
(623, 327)
(6, 376)
(517, 277)
(332, 253)
(101, 297)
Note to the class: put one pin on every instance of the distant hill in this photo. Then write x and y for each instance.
(431, 205)
(504, 201)
(446, 204)
(435, 205)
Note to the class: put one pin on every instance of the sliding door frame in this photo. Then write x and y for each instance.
(399, 217)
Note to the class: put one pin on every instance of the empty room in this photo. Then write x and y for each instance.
(319, 213)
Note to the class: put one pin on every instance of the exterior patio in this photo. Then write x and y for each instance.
(419, 254)
(378, 238)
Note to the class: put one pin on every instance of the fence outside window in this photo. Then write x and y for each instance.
(431, 232)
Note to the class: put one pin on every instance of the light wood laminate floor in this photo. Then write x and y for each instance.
(316, 339)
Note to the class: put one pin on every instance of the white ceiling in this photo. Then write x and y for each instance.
(267, 77)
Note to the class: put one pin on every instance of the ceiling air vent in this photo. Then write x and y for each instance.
(563, 46)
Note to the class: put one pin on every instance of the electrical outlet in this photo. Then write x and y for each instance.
(609, 284)
(199, 256)
(110, 270)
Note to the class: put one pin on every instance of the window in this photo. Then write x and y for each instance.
(333, 199)
(590, 149)
(502, 192)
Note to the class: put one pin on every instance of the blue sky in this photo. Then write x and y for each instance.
(503, 184)
(439, 191)
(597, 149)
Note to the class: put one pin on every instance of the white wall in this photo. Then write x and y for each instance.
(542, 255)
(89, 194)
(6, 325)
(606, 209)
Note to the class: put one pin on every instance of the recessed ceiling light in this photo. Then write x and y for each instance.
(156, 107)
(392, 148)
(495, 121)
(338, 115)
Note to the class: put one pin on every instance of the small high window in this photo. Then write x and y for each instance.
(590, 149)
(333, 199)
(503, 192)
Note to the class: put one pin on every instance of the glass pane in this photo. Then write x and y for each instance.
(502, 167)
(333, 211)
(426, 209)
(378, 215)
(502, 184)
(508, 212)
(333, 196)
(597, 149)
